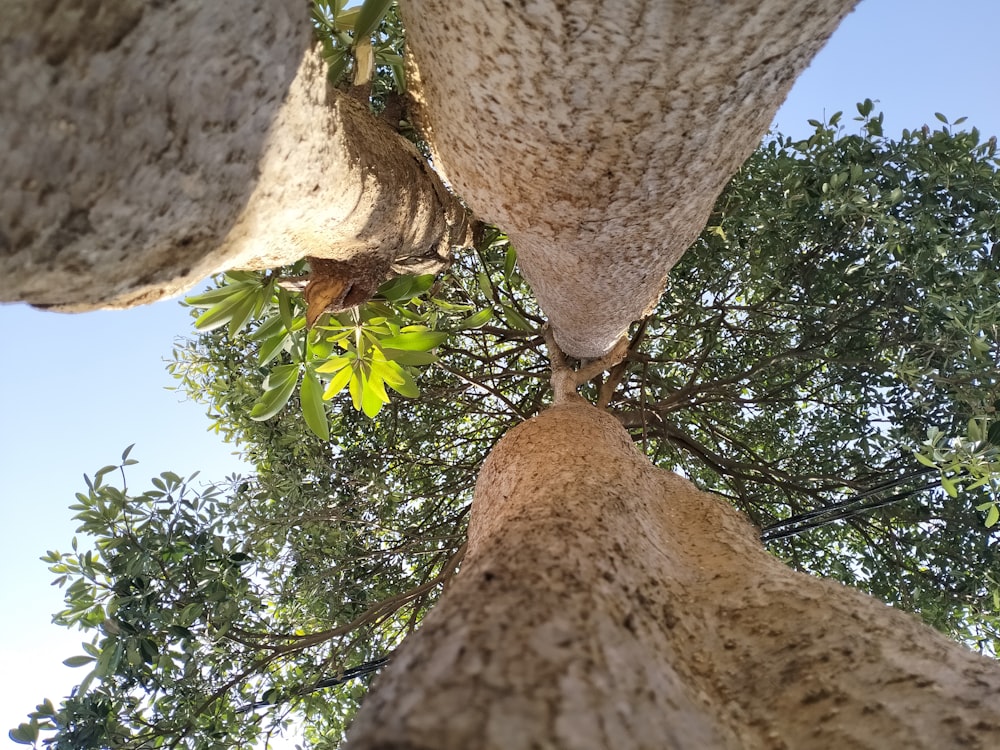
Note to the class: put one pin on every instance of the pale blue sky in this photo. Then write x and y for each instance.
(77, 389)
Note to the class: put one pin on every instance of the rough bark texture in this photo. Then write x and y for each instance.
(605, 603)
(599, 134)
(144, 146)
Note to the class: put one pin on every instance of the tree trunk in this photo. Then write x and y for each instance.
(605, 603)
(599, 134)
(145, 146)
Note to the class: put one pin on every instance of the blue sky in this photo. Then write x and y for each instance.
(77, 389)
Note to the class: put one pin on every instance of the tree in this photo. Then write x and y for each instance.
(765, 47)
(780, 322)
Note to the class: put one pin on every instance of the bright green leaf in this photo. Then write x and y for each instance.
(337, 383)
(414, 340)
(376, 385)
(355, 386)
(388, 371)
(336, 364)
(407, 387)
(371, 400)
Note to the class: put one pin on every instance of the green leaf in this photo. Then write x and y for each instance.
(515, 319)
(271, 348)
(480, 318)
(924, 460)
(345, 21)
(412, 341)
(450, 306)
(992, 516)
(285, 309)
(485, 286)
(220, 314)
(397, 288)
(941, 117)
(399, 77)
(24, 734)
(242, 313)
(508, 263)
(280, 375)
(387, 371)
(337, 65)
(371, 400)
(336, 364)
(280, 384)
(272, 326)
(311, 396)
(975, 430)
(78, 661)
(949, 487)
(375, 383)
(218, 294)
(993, 434)
(337, 383)
(407, 387)
(369, 17)
(356, 386)
(110, 658)
(406, 287)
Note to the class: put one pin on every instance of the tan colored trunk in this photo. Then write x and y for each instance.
(599, 134)
(605, 603)
(146, 146)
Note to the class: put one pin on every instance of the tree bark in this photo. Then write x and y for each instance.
(147, 146)
(599, 134)
(605, 603)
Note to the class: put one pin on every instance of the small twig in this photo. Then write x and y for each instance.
(614, 379)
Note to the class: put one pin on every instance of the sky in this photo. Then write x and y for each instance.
(75, 390)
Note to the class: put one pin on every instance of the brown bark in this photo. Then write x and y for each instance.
(599, 134)
(146, 146)
(605, 603)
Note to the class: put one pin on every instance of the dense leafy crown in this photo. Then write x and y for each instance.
(825, 356)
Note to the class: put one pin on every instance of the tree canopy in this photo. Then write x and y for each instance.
(824, 357)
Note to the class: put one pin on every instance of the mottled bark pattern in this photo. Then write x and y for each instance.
(598, 134)
(605, 603)
(145, 146)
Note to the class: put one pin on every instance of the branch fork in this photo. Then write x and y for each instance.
(565, 380)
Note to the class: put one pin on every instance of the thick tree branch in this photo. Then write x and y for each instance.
(630, 138)
(147, 146)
